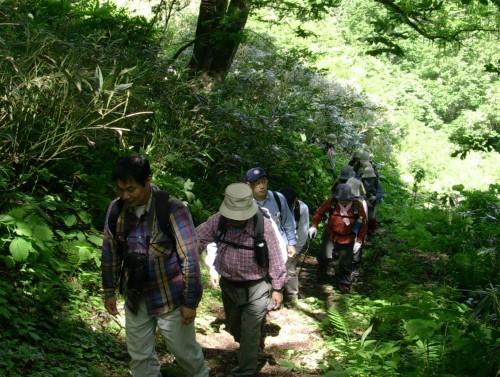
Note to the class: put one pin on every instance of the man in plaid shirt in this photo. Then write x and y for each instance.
(248, 288)
(159, 272)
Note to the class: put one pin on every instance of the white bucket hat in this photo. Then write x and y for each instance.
(238, 202)
(369, 173)
(355, 185)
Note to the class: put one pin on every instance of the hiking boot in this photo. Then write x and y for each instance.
(345, 288)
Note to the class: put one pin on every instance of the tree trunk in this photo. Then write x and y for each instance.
(218, 35)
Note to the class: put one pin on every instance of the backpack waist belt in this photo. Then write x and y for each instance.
(242, 284)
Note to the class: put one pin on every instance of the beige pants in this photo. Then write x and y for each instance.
(180, 340)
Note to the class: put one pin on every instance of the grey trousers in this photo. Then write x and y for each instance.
(245, 308)
(291, 288)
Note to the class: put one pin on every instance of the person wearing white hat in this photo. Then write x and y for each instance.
(248, 286)
(345, 231)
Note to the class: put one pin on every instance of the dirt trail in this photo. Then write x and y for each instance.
(293, 337)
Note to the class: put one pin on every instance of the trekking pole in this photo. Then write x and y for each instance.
(303, 258)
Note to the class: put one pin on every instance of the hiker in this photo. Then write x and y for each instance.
(328, 147)
(364, 162)
(358, 190)
(355, 160)
(252, 270)
(276, 204)
(345, 173)
(345, 231)
(212, 250)
(301, 216)
(150, 254)
(374, 194)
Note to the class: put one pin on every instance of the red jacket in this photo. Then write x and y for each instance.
(340, 232)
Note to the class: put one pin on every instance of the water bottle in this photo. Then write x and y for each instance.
(357, 225)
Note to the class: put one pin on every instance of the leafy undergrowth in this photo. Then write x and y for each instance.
(402, 318)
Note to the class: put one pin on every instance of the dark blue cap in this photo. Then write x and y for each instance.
(254, 174)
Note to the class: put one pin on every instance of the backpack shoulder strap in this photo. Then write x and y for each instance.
(113, 215)
(221, 230)
(258, 221)
(163, 213)
(296, 213)
(278, 201)
(332, 206)
(161, 208)
(356, 209)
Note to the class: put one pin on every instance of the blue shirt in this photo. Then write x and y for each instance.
(284, 219)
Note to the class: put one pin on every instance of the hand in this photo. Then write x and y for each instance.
(357, 247)
(110, 305)
(214, 277)
(188, 315)
(291, 251)
(277, 298)
(312, 232)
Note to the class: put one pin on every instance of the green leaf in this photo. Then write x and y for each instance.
(85, 217)
(23, 229)
(95, 240)
(20, 249)
(69, 220)
(5, 312)
(84, 253)
(42, 232)
(9, 261)
(421, 328)
(188, 185)
(189, 196)
(366, 333)
(6, 219)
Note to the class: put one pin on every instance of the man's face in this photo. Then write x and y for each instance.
(259, 188)
(133, 193)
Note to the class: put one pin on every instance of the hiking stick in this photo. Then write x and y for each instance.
(303, 258)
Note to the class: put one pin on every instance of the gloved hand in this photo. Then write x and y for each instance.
(312, 232)
(372, 200)
(357, 246)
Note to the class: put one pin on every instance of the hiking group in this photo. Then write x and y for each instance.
(151, 255)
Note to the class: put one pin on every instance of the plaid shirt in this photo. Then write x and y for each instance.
(174, 276)
(239, 264)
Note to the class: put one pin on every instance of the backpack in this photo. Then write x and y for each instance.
(162, 214)
(259, 244)
(278, 202)
(296, 209)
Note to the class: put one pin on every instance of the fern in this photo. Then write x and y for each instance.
(336, 320)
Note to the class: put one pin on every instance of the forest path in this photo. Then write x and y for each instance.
(294, 344)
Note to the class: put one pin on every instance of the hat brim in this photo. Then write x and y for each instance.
(244, 214)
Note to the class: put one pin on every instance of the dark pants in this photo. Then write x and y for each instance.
(330, 250)
(345, 262)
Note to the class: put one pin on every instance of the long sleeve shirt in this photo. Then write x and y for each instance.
(284, 218)
(174, 276)
(302, 231)
(338, 231)
(238, 264)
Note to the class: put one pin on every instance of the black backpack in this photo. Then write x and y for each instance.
(296, 209)
(162, 214)
(259, 244)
